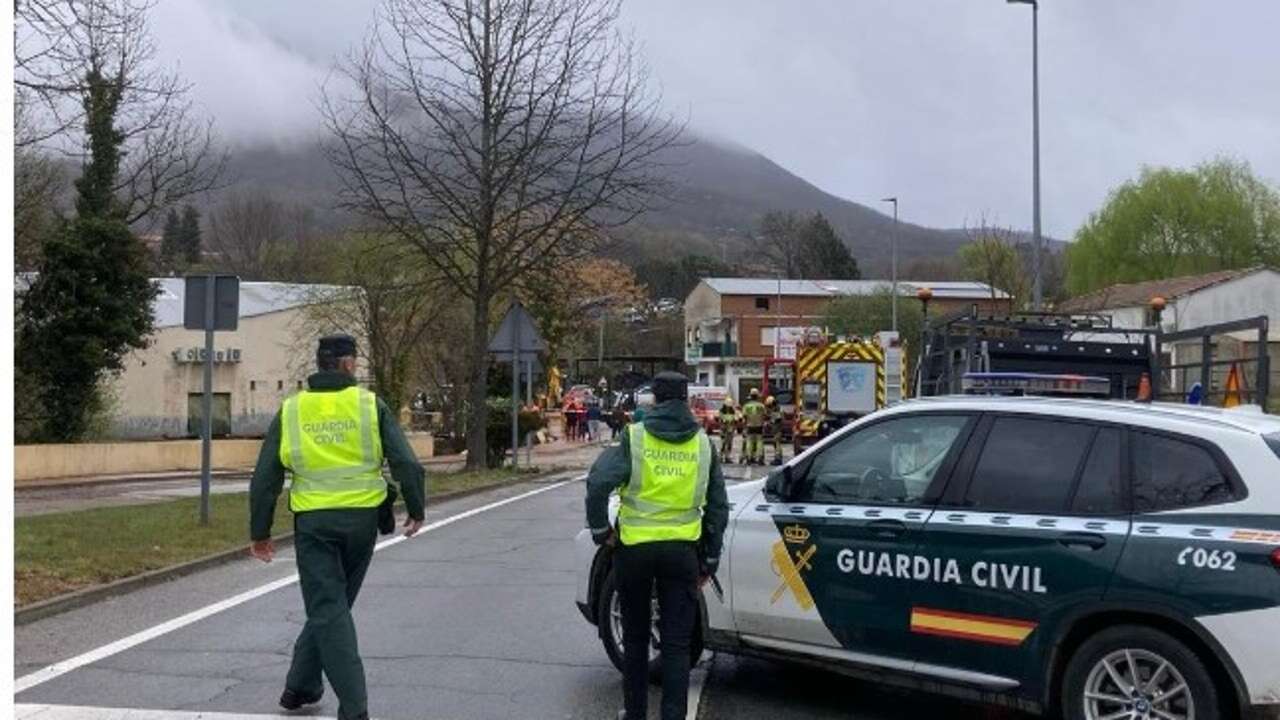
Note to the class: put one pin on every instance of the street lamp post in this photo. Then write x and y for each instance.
(893, 269)
(1036, 294)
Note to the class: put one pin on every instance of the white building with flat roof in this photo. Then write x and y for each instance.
(270, 354)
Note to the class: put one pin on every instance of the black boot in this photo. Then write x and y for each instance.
(290, 700)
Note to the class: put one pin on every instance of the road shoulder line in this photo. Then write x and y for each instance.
(65, 666)
(25, 711)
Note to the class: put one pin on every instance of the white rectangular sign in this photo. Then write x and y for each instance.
(851, 386)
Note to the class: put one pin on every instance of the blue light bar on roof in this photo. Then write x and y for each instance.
(1005, 383)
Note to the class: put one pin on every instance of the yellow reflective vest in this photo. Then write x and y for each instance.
(331, 443)
(664, 497)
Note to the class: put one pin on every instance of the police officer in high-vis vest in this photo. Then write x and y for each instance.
(670, 529)
(333, 438)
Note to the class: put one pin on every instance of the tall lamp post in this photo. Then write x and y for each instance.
(1036, 295)
(893, 268)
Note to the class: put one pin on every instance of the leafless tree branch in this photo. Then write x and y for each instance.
(494, 137)
(168, 154)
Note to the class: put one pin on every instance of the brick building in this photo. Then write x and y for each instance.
(731, 324)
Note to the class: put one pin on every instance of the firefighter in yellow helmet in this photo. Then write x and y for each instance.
(754, 415)
(332, 438)
(729, 419)
(775, 427)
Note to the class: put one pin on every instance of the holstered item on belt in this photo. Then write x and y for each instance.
(387, 512)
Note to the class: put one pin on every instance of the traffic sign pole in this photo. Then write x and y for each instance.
(206, 434)
(209, 305)
(519, 336)
(515, 398)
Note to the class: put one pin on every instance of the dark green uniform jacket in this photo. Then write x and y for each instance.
(671, 421)
(268, 475)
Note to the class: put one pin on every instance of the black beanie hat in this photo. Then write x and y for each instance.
(336, 346)
(670, 386)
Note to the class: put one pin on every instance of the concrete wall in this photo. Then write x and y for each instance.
(50, 462)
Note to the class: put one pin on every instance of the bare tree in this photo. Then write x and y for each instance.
(494, 136)
(38, 182)
(388, 302)
(994, 256)
(259, 237)
(780, 240)
(168, 154)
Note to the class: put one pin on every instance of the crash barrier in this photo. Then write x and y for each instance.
(80, 461)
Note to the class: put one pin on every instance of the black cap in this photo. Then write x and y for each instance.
(336, 346)
(670, 386)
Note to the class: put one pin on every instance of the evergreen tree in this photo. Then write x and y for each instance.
(91, 302)
(171, 249)
(822, 254)
(190, 234)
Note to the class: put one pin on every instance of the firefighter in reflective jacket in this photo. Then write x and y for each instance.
(775, 427)
(728, 427)
(670, 529)
(333, 438)
(754, 417)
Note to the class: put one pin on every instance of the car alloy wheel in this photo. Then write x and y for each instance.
(615, 621)
(1135, 684)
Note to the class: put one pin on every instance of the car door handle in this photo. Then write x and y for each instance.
(1082, 540)
(888, 529)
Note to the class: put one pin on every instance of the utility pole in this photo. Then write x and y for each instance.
(1037, 248)
(893, 271)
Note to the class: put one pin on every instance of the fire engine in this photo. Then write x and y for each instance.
(837, 381)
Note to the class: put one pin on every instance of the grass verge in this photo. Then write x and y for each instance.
(59, 553)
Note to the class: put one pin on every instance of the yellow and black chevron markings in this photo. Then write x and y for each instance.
(811, 365)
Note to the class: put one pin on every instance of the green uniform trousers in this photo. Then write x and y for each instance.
(753, 450)
(334, 548)
(777, 443)
(726, 442)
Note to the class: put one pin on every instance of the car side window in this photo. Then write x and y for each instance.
(1028, 465)
(1100, 489)
(893, 461)
(1170, 473)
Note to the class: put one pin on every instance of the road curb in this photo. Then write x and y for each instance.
(60, 483)
(90, 595)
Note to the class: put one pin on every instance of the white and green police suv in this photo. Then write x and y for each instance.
(1096, 559)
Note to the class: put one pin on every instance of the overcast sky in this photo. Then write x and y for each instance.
(929, 100)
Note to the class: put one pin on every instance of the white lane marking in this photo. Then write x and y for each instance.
(61, 668)
(80, 712)
(697, 679)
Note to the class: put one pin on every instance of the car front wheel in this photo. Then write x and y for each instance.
(609, 620)
(1137, 673)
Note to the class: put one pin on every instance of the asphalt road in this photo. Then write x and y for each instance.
(474, 619)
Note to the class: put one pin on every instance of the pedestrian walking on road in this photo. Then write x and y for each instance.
(333, 438)
(574, 412)
(594, 425)
(670, 531)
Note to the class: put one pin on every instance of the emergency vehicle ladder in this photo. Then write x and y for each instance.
(1029, 342)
